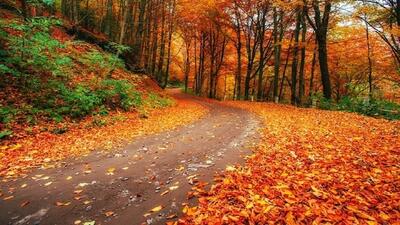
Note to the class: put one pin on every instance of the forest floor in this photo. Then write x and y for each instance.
(311, 167)
(145, 182)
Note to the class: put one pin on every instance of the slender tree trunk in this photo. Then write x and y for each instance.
(311, 91)
(187, 65)
(126, 13)
(302, 59)
(24, 8)
(238, 77)
(323, 64)
(369, 61)
(293, 99)
(320, 26)
(109, 18)
(278, 36)
(284, 69)
(162, 47)
(171, 30)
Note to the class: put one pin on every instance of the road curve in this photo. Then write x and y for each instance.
(150, 166)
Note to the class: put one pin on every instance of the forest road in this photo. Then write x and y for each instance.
(154, 170)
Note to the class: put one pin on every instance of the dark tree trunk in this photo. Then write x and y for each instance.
(293, 98)
(320, 26)
(302, 59)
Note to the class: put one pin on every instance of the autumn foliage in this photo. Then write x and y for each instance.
(311, 167)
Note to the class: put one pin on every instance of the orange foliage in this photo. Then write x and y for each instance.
(311, 167)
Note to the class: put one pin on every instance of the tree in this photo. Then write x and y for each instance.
(320, 24)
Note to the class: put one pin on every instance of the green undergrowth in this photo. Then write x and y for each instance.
(374, 107)
(45, 77)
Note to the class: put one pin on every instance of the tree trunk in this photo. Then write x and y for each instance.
(369, 61)
(320, 26)
(323, 64)
(278, 36)
(171, 30)
(302, 59)
(293, 98)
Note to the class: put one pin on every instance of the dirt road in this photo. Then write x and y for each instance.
(121, 187)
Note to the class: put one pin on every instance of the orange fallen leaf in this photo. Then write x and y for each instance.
(164, 193)
(109, 213)
(9, 197)
(63, 203)
(25, 203)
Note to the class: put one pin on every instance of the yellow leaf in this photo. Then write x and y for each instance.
(230, 168)
(384, 216)
(173, 188)
(110, 171)
(156, 209)
(290, 219)
(63, 203)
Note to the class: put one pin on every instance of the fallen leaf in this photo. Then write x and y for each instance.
(9, 197)
(164, 193)
(173, 188)
(63, 203)
(230, 168)
(156, 209)
(180, 168)
(110, 171)
(109, 213)
(89, 223)
(25, 203)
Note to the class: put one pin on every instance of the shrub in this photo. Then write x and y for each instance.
(7, 114)
(119, 93)
(79, 101)
(5, 133)
(370, 107)
(95, 60)
(156, 101)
